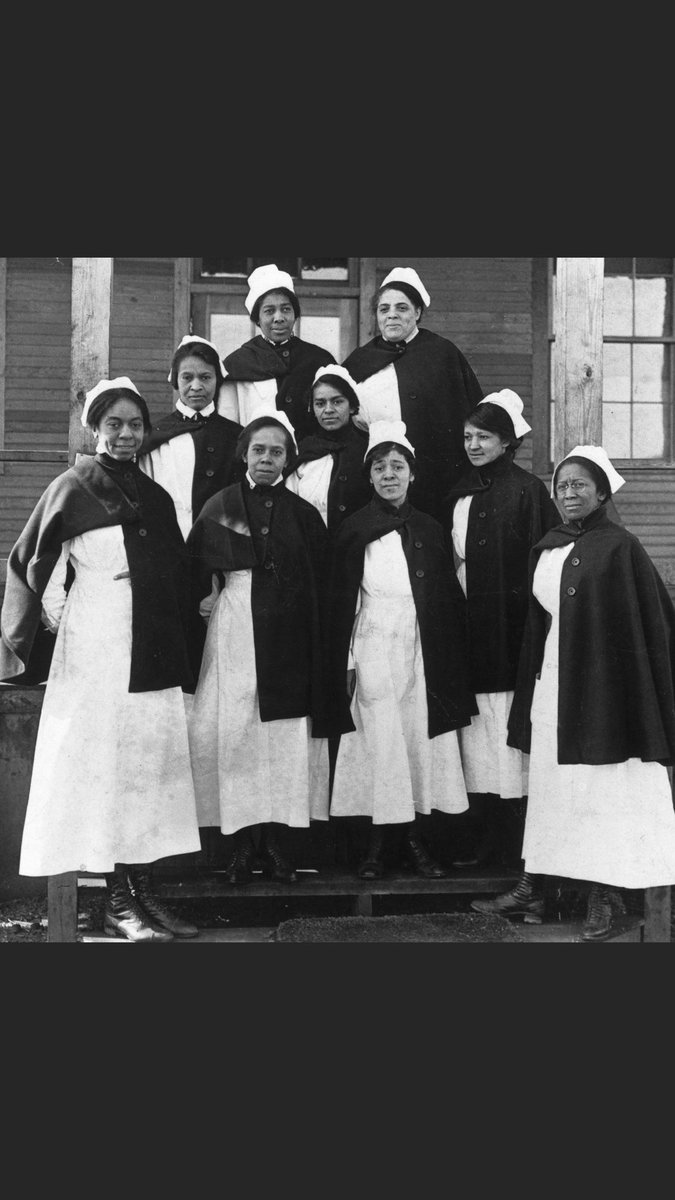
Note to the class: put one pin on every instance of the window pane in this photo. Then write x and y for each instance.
(652, 318)
(290, 265)
(616, 430)
(650, 375)
(229, 332)
(654, 266)
(321, 331)
(618, 320)
(225, 266)
(618, 266)
(649, 432)
(616, 373)
(325, 268)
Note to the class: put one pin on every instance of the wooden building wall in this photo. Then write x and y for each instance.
(494, 309)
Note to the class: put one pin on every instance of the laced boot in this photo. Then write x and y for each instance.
(598, 914)
(415, 855)
(238, 869)
(140, 885)
(274, 865)
(124, 916)
(525, 900)
(372, 866)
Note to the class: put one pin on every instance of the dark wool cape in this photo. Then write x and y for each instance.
(438, 389)
(439, 605)
(283, 541)
(293, 365)
(617, 650)
(349, 488)
(91, 495)
(215, 439)
(511, 511)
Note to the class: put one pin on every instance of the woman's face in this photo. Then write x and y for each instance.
(331, 409)
(277, 317)
(481, 446)
(391, 477)
(196, 382)
(120, 430)
(266, 455)
(576, 493)
(397, 317)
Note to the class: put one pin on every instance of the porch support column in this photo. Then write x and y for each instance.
(91, 303)
(577, 354)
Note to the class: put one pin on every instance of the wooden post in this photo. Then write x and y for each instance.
(367, 284)
(91, 303)
(577, 354)
(181, 299)
(62, 907)
(657, 914)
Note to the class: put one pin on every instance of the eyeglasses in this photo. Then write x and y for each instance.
(576, 485)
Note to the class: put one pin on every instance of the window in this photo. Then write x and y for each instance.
(309, 269)
(638, 348)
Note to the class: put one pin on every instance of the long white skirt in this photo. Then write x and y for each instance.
(611, 824)
(489, 764)
(248, 771)
(111, 781)
(389, 768)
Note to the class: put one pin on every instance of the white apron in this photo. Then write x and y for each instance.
(611, 824)
(389, 768)
(111, 778)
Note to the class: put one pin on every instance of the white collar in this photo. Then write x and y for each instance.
(191, 412)
(252, 483)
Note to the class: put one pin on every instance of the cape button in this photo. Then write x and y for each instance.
(342, 478)
(342, 507)
(418, 545)
(209, 474)
(268, 566)
(575, 562)
(142, 533)
(571, 591)
(482, 541)
(419, 574)
(269, 503)
(482, 514)
(265, 529)
(211, 449)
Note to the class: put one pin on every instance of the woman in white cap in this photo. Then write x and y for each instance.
(398, 687)
(102, 563)
(191, 451)
(275, 369)
(496, 513)
(411, 374)
(259, 554)
(594, 706)
(328, 468)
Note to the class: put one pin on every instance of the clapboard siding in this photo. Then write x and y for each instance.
(484, 306)
(38, 363)
(37, 370)
(141, 333)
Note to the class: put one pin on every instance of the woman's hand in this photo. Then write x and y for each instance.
(351, 683)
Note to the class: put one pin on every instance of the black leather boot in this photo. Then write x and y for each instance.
(140, 884)
(238, 869)
(124, 916)
(274, 865)
(525, 900)
(598, 921)
(372, 866)
(414, 854)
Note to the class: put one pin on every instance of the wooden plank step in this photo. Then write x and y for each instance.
(332, 882)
